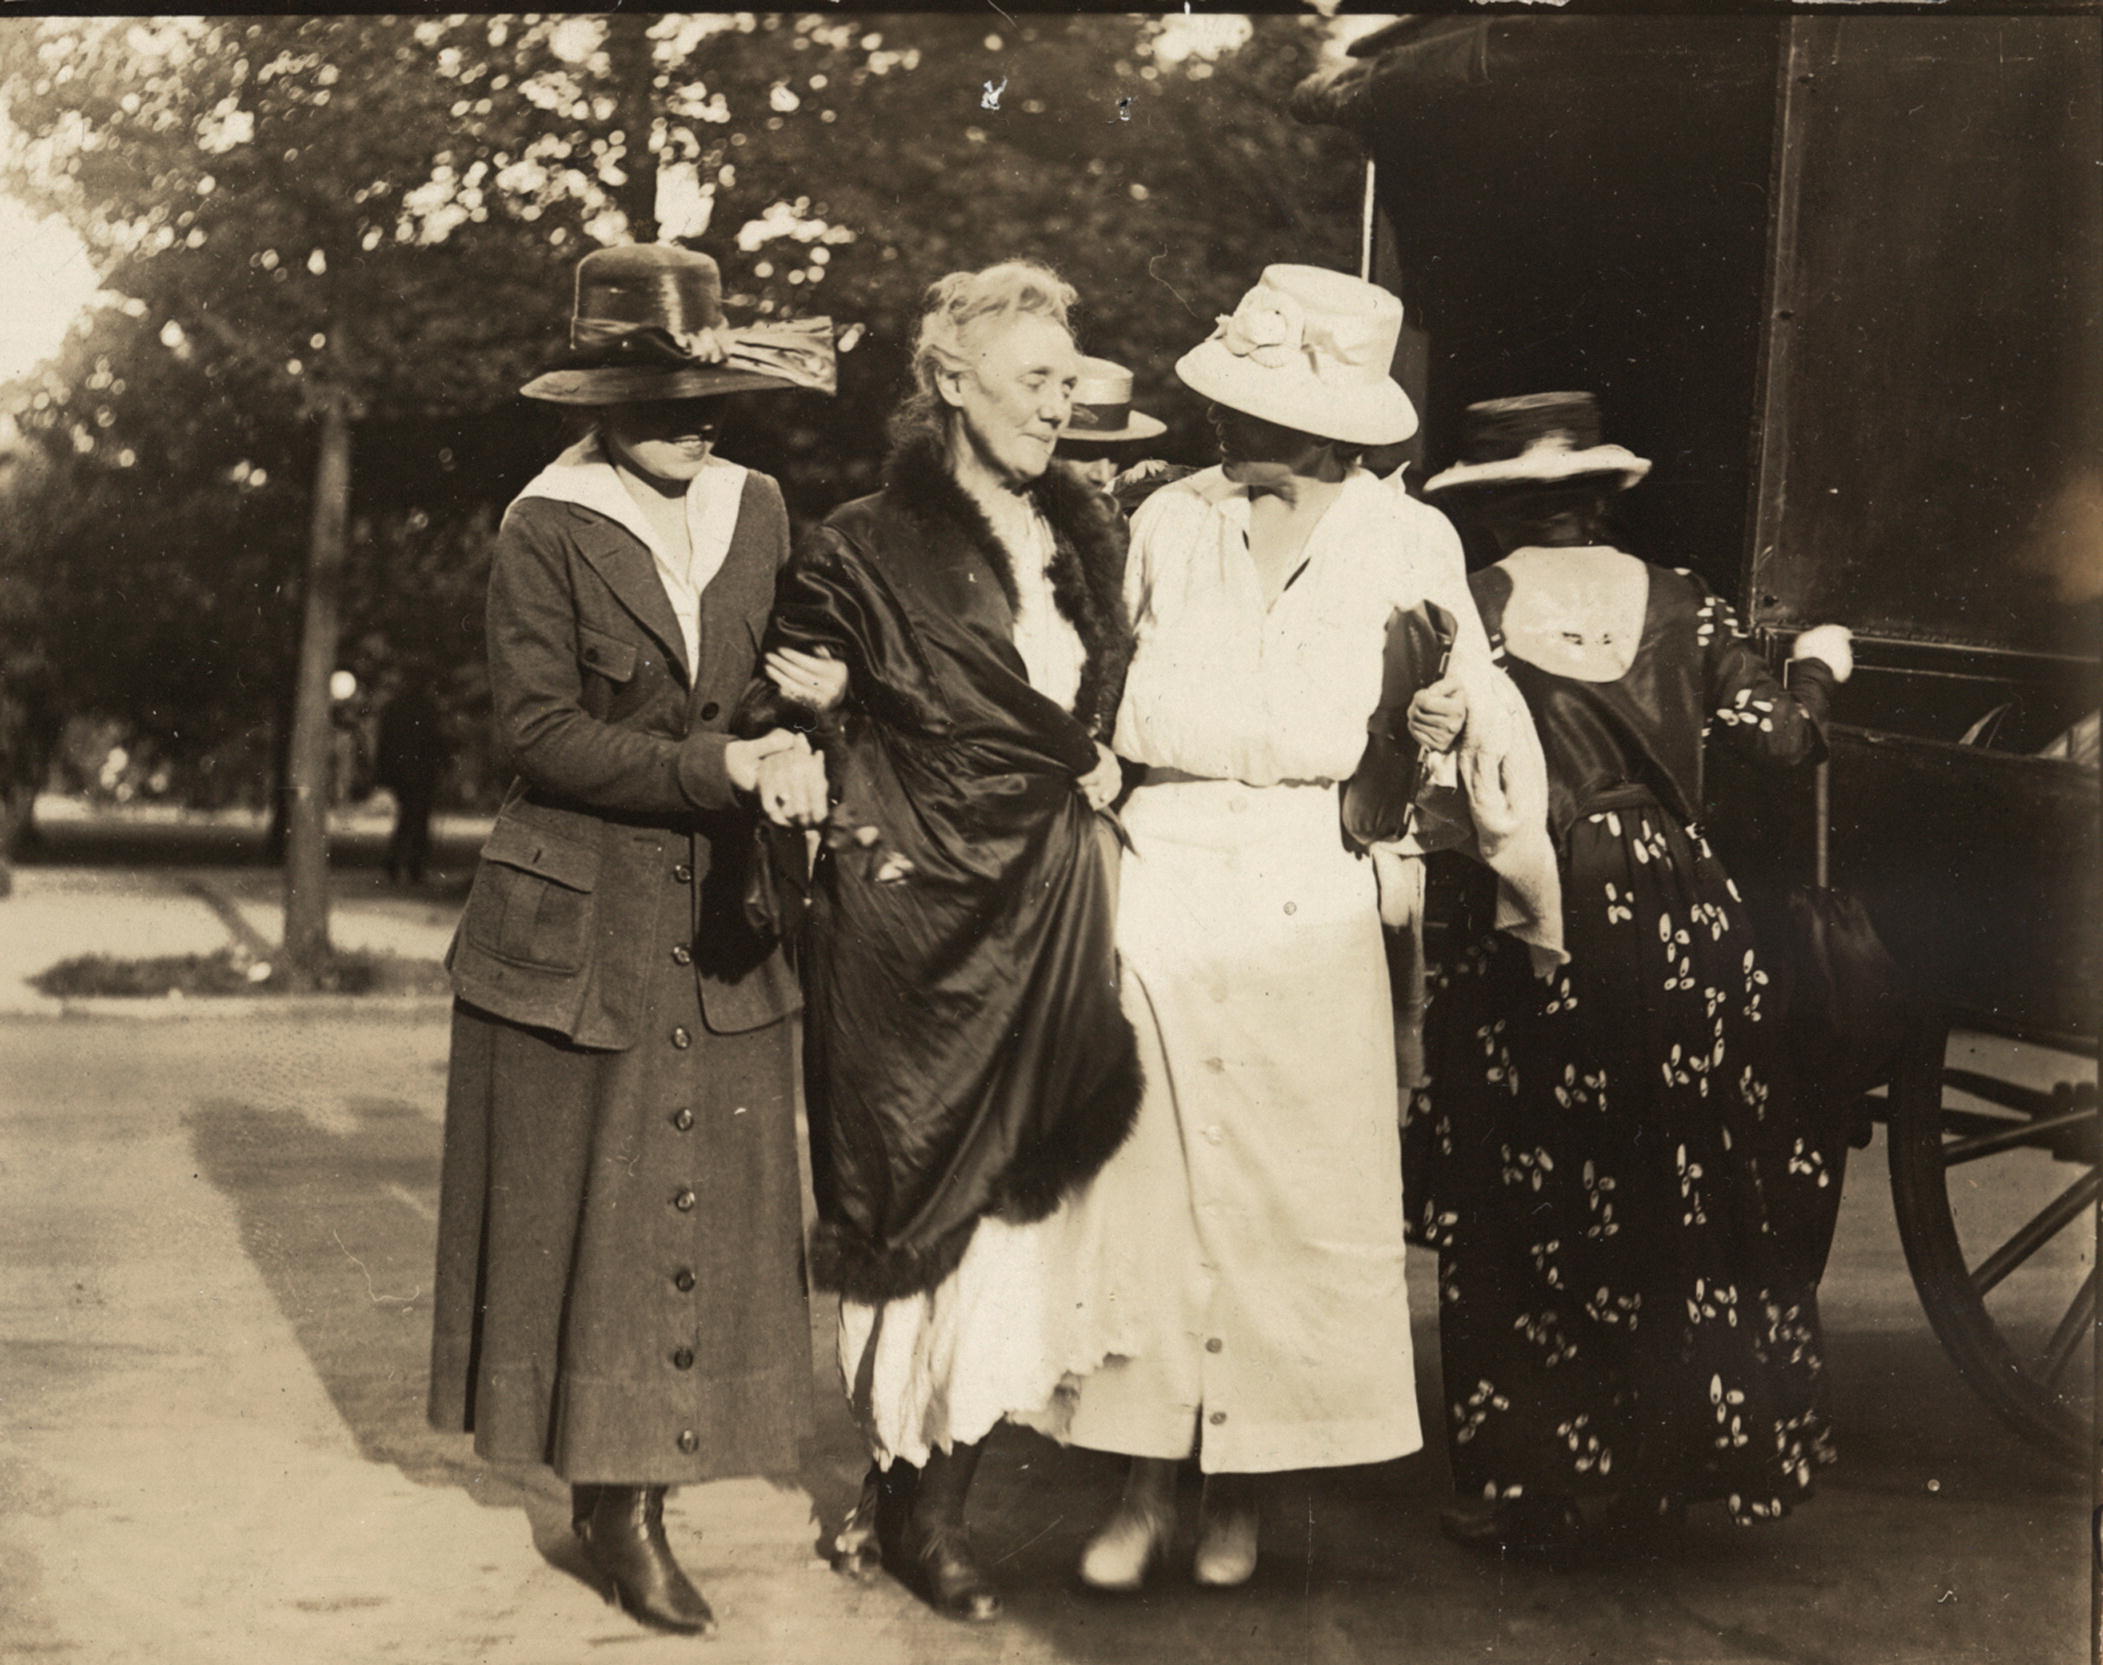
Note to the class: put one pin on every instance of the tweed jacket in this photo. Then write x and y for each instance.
(622, 805)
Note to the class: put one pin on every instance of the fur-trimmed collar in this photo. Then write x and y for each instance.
(1086, 569)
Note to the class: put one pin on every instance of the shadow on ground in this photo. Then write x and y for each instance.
(337, 1215)
(340, 1220)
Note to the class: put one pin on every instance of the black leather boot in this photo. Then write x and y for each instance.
(622, 1530)
(583, 1499)
(877, 1524)
(932, 1552)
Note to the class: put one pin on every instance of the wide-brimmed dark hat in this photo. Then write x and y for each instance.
(648, 324)
(1538, 439)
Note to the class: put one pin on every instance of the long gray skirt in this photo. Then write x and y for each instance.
(620, 1288)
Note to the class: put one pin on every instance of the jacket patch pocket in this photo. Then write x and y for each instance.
(611, 657)
(532, 897)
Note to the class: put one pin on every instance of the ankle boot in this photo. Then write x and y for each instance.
(935, 1555)
(583, 1499)
(876, 1526)
(623, 1536)
(1125, 1547)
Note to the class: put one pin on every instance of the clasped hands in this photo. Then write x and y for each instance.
(780, 769)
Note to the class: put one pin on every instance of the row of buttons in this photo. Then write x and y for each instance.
(683, 1279)
(682, 1119)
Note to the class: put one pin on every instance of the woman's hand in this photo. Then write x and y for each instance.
(1833, 643)
(1438, 714)
(816, 680)
(742, 758)
(1101, 785)
(792, 790)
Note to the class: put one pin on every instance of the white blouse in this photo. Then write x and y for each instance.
(1051, 649)
(1221, 686)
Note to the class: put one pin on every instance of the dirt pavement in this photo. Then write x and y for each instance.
(214, 1286)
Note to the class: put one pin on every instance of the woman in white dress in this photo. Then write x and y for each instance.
(1244, 1249)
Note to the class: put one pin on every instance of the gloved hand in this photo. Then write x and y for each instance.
(1832, 643)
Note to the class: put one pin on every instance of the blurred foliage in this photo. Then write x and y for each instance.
(388, 209)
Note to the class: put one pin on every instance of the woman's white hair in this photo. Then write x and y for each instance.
(953, 304)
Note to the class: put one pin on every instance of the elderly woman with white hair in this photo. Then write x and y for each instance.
(968, 1063)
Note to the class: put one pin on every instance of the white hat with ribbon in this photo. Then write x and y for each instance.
(1102, 406)
(1309, 349)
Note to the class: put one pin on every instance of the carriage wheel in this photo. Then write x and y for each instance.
(1995, 1183)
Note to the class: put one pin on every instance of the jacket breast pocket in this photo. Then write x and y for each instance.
(532, 901)
(608, 655)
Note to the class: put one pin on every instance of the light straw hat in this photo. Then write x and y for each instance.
(1102, 406)
(1309, 349)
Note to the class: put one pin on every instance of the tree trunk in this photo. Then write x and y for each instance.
(308, 766)
(628, 52)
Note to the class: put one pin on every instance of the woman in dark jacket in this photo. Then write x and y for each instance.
(619, 1292)
(1623, 1193)
(967, 1062)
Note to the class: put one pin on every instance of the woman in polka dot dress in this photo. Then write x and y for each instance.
(1621, 1197)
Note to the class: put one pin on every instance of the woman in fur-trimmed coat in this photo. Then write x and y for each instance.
(967, 1061)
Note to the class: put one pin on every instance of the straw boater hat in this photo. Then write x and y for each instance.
(1540, 439)
(648, 324)
(1102, 406)
(1310, 349)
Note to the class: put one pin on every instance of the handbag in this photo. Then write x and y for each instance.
(1379, 799)
(1846, 1009)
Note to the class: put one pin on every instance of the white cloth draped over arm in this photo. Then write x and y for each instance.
(1489, 795)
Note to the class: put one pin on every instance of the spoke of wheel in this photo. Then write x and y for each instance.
(2041, 1230)
(1978, 1121)
(2024, 1133)
(2073, 1329)
(1996, 1091)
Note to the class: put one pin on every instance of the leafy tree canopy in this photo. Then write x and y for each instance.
(385, 212)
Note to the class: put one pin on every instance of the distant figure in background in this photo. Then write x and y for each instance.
(29, 732)
(1104, 432)
(411, 761)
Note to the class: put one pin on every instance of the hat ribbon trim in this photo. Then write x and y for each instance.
(1272, 330)
(799, 351)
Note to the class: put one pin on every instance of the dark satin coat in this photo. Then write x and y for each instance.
(966, 1053)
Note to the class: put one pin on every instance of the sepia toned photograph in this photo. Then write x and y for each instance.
(1052, 837)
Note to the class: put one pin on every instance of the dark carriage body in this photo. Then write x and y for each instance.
(1841, 278)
